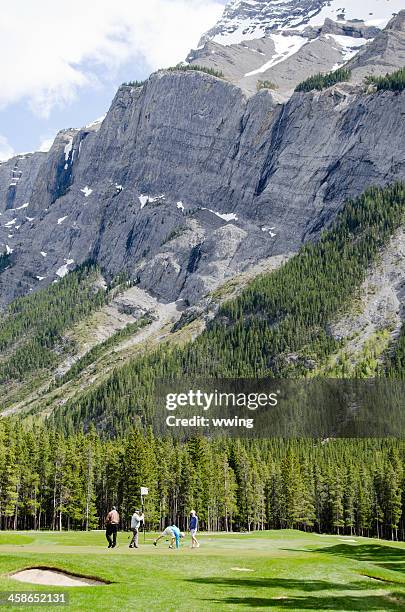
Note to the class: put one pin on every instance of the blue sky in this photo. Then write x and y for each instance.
(61, 63)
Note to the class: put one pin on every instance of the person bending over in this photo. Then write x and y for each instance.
(174, 534)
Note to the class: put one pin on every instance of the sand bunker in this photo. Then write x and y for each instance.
(53, 577)
(242, 569)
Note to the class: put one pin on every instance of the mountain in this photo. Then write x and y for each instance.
(196, 181)
(189, 181)
(250, 19)
(283, 43)
(284, 58)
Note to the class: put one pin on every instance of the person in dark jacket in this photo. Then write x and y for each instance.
(193, 526)
(111, 527)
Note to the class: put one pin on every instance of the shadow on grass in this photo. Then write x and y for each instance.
(280, 583)
(386, 557)
(390, 601)
(373, 553)
(369, 602)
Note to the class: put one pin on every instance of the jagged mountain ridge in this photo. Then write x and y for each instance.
(284, 43)
(250, 19)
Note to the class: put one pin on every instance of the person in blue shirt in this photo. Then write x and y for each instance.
(174, 533)
(193, 526)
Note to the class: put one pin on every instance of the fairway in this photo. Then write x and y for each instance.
(282, 570)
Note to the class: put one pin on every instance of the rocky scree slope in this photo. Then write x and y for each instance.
(373, 325)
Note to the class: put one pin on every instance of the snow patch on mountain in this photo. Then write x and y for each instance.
(349, 44)
(372, 12)
(224, 216)
(63, 270)
(22, 206)
(86, 191)
(285, 46)
(68, 147)
(145, 199)
(269, 230)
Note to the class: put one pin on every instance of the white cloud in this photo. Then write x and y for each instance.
(46, 144)
(6, 150)
(49, 50)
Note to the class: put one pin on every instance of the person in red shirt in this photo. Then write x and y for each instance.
(111, 527)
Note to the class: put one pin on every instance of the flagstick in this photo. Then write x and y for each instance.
(144, 532)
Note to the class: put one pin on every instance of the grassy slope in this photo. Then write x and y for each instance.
(291, 570)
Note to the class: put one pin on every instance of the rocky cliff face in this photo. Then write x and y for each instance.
(189, 181)
(17, 178)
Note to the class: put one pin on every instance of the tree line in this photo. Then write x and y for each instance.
(199, 68)
(322, 81)
(394, 81)
(51, 481)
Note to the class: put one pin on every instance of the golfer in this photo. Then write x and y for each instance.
(136, 520)
(174, 534)
(193, 526)
(111, 527)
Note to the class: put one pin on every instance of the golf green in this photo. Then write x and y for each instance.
(282, 570)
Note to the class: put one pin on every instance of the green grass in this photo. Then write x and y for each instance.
(290, 571)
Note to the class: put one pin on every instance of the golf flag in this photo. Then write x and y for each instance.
(144, 491)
